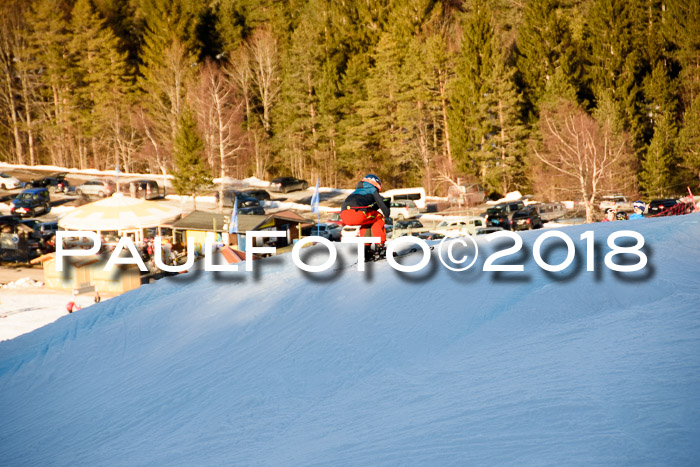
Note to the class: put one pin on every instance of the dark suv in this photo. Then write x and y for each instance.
(31, 202)
(287, 184)
(500, 214)
(55, 182)
(527, 218)
(260, 195)
(244, 201)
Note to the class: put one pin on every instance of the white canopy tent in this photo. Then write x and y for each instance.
(119, 215)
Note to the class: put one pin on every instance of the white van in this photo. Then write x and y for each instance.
(550, 211)
(417, 195)
(459, 227)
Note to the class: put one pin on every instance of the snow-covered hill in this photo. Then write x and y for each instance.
(284, 368)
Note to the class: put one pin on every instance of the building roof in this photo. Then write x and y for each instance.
(119, 212)
(217, 222)
(201, 220)
(290, 215)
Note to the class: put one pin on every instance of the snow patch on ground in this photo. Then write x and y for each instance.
(23, 283)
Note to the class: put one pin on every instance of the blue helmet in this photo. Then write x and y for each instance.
(373, 180)
(639, 205)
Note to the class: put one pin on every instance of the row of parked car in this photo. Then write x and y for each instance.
(37, 201)
(655, 207)
(53, 182)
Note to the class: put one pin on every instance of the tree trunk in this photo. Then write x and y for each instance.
(19, 151)
(443, 102)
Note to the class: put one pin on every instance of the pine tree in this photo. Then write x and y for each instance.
(378, 133)
(102, 77)
(168, 57)
(419, 113)
(681, 30)
(547, 49)
(485, 120)
(470, 123)
(657, 175)
(49, 40)
(689, 143)
(616, 42)
(298, 115)
(352, 93)
(190, 176)
(511, 134)
(436, 70)
(120, 17)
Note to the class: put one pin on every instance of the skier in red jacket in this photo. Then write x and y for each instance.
(366, 208)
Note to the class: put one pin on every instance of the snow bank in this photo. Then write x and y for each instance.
(22, 283)
(282, 367)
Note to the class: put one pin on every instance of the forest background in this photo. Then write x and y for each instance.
(561, 98)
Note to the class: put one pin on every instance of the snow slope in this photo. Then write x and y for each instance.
(285, 368)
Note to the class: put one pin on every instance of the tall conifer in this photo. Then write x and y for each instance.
(190, 176)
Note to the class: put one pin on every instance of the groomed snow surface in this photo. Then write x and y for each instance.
(281, 367)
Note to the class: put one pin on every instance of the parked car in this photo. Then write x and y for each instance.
(408, 224)
(9, 219)
(39, 228)
(45, 229)
(550, 211)
(260, 195)
(526, 219)
(431, 236)
(417, 195)
(489, 230)
(8, 182)
(287, 184)
(657, 206)
(460, 227)
(31, 223)
(500, 214)
(497, 218)
(618, 201)
(330, 231)
(468, 194)
(335, 219)
(244, 201)
(668, 207)
(56, 182)
(146, 189)
(31, 202)
(96, 187)
(252, 210)
(403, 209)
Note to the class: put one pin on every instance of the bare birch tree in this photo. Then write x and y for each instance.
(147, 126)
(265, 72)
(240, 71)
(586, 153)
(164, 83)
(240, 74)
(219, 113)
(9, 92)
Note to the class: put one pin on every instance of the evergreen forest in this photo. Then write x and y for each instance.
(561, 98)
